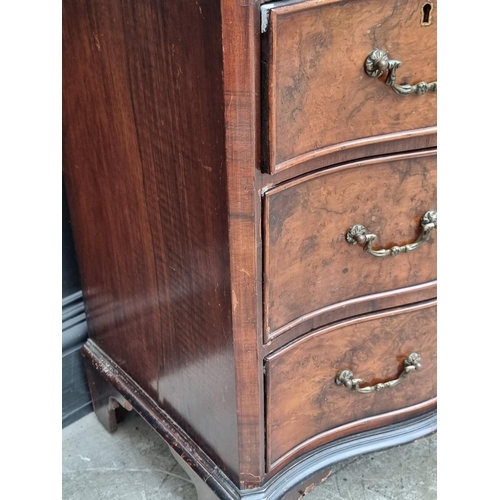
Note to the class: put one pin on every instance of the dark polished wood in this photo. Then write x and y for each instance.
(176, 228)
(145, 171)
(318, 95)
(240, 30)
(106, 399)
(112, 380)
(211, 483)
(308, 264)
(305, 407)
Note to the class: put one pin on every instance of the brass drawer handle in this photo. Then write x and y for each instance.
(378, 61)
(346, 377)
(357, 234)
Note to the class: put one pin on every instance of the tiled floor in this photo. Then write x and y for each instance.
(134, 463)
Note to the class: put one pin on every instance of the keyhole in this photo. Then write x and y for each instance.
(427, 14)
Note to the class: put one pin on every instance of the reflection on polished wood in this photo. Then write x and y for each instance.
(201, 273)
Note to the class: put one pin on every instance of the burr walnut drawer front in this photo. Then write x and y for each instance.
(324, 385)
(326, 64)
(348, 234)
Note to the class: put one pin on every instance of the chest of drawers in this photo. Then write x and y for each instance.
(252, 188)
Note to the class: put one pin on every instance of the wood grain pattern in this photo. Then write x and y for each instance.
(308, 263)
(318, 93)
(113, 381)
(398, 142)
(162, 164)
(357, 428)
(241, 22)
(144, 165)
(302, 398)
(348, 309)
(210, 481)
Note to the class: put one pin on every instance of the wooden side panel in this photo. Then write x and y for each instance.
(144, 151)
(303, 398)
(319, 95)
(309, 264)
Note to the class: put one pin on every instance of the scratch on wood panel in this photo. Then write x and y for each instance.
(243, 271)
(230, 103)
(235, 300)
(199, 8)
(97, 43)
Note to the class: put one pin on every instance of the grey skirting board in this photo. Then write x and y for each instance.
(76, 401)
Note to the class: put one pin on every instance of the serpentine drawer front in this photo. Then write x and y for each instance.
(323, 90)
(252, 189)
(308, 406)
(312, 259)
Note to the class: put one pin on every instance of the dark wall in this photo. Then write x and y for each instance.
(70, 274)
(75, 395)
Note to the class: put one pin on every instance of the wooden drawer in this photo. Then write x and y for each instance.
(309, 267)
(305, 406)
(318, 97)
